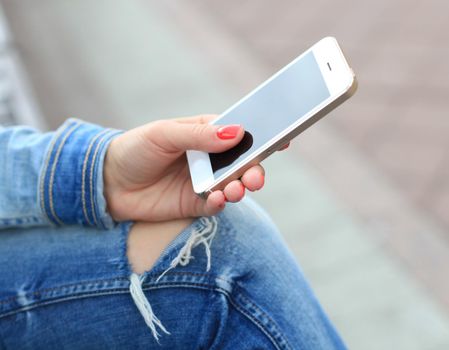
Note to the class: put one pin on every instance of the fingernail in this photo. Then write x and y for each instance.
(284, 147)
(228, 132)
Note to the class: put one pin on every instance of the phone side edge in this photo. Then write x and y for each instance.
(287, 138)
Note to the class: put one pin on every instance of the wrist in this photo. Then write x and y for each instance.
(111, 185)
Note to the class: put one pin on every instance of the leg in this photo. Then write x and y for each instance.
(69, 287)
(148, 240)
(258, 277)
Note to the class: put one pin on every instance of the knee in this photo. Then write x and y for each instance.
(248, 241)
(147, 241)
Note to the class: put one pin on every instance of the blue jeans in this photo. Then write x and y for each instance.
(69, 288)
(226, 282)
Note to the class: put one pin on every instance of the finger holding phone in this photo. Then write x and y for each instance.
(274, 113)
(146, 174)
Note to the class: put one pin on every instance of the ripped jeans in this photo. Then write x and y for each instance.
(227, 282)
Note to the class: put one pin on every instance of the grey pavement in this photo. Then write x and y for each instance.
(376, 258)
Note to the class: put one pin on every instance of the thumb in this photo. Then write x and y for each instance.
(175, 136)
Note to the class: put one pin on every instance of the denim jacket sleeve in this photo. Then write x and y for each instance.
(54, 178)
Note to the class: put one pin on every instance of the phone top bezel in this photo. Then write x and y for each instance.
(339, 79)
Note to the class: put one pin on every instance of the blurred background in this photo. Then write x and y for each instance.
(362, 198)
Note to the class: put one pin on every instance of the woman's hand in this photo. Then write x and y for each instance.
(147, 177)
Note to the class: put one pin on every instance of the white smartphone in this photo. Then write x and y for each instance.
(279, 109)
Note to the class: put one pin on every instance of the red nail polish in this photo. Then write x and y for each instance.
(284, 147)
(228, 132)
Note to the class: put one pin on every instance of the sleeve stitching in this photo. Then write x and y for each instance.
(45, 169)
(83, 176)
(53, 171)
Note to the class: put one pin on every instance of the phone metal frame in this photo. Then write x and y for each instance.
(342, 84)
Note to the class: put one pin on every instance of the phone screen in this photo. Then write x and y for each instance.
(285, 99)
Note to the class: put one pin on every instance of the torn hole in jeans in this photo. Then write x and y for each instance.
(202, 235)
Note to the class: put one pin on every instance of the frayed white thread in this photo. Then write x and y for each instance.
(144, 306)
(203, 236)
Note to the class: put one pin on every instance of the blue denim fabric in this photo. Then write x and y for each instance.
(54, 177)
(68, 287)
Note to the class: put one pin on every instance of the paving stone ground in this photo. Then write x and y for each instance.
(374, 255)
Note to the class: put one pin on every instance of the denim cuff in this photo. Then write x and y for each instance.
(71, 185)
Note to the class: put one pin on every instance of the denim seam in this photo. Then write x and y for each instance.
(234, 303)
(232, 300)
(125, 279)
(123, 262)
(45, 169)
(263, 313)
(115, 291)
(53, 171)
(155, 275)
(82, 295)
(168, 284)
(120, 279)
(111, 280)
(52, 289)
(92, 168)
(256, 322)
(83, 176)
